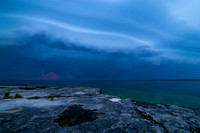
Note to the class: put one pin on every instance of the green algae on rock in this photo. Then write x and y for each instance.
(18, 96)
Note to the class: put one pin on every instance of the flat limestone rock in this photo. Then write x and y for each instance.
(80, 110)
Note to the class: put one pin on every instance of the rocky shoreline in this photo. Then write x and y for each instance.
(81, 110)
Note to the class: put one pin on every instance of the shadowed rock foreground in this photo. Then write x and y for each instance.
(80, 110)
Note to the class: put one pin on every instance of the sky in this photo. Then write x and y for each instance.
(99, 39)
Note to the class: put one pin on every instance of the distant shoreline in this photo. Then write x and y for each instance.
(156, 80)
(105, 80)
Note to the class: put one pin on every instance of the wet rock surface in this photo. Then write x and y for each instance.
(81, 110)
(76, 115)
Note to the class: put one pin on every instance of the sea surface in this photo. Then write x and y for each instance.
(182, 93)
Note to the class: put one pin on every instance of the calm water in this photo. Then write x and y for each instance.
(182, 93)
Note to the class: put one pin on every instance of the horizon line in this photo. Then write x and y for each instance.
(109, 80)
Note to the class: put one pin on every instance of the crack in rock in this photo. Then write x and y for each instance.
(148, 117)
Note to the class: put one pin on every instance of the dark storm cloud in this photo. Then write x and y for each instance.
(20, 59)
(38, 39)
(99, 39)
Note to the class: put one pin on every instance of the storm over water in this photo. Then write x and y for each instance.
(99, 39)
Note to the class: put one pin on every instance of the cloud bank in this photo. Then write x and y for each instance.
(76, 40)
